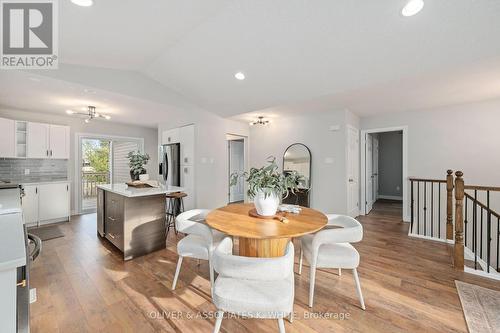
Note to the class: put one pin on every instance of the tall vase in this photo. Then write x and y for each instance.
(266, 206)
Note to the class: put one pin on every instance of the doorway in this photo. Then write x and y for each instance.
(384, 169)
(236, 163)
(101, 159)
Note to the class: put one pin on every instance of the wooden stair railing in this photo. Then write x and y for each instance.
(483, 240)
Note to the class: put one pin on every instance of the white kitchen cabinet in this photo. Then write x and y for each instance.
(8, 138)
(170, 136)
(53, 201)
(30, 204)
(47, 202)
(47, 141)
(37, 140)
(187, 182)
(187, 144)
(59, 141)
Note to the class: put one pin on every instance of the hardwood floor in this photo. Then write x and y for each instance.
(84, 286)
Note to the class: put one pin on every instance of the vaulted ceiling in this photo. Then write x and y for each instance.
(297, 55)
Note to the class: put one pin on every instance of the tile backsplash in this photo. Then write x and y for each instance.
(40, 170)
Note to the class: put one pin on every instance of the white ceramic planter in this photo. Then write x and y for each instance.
(144, 177)
(266, 206)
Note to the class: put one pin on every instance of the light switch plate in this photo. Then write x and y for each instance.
(329, 160)
(32, 295)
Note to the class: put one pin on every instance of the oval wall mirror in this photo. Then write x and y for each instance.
(297, 157)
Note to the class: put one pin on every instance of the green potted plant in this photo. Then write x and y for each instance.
(266, 185)
(137, 161)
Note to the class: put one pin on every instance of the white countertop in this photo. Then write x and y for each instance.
(12, 243)
(129, 191)
(45, 182)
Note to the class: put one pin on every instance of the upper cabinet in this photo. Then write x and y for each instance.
(170, 136)
(38, 140)
(8, 138)
(187, 144)
(47, 141)
(59, 141)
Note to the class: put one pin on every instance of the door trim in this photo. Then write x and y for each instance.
(230, 137)
(404, 129)
(347, 169)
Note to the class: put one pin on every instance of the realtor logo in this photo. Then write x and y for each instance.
(29, 34)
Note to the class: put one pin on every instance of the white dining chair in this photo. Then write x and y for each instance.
(331, 248)
(253, 287)
(200, 242)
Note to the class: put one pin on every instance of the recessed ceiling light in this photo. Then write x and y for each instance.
(412, 7)
(83, 3)
(34, 79)
(240, 76)
(70, 111)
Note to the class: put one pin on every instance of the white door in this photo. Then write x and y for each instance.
(7, 138)
(30, 204)
(369, 173)
(353, 171)
(59, 141)
(53, 201)
(236, 164)
(38, 140)
(375, 168)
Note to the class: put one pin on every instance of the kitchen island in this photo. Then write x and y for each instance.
(133, 219)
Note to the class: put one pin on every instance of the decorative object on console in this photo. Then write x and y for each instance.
(90, 114)
(260, 121)
(267, 185)
(137, 161)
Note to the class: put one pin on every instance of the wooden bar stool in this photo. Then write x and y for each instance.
(175, 206)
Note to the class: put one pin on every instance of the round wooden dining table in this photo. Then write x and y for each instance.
(264, 237)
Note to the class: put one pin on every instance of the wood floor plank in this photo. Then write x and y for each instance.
(84, 286)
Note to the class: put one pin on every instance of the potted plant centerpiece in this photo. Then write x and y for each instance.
(137, 161)
(266, 185)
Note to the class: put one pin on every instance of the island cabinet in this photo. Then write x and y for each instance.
(133, 220)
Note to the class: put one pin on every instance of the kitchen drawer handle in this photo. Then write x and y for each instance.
(111, 235)
(112, 219)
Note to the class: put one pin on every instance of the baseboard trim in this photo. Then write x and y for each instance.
(435, 239)
(390, 197)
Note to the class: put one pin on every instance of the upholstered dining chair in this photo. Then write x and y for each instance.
(253, 287)
(200, 242)
(331, 248)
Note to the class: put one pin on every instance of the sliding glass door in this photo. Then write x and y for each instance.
(101, 160)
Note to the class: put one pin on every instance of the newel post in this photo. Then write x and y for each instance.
(449, 204)
(458, 260)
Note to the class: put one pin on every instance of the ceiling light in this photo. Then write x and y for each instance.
(90, 114)
(240, 76)
(83, 3)
(412, 7)
(260, 121)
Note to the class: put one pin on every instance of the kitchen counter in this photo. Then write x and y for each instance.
(130, 192)
(12, 243)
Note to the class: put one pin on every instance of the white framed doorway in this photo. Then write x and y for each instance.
(237, 161)
(368, 173)
(85, 193)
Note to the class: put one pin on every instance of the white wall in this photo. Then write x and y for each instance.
(150, 136)
(329, 190)
(464, 137)
(211, 153)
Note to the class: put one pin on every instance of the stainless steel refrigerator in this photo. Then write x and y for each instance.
(170, 164)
